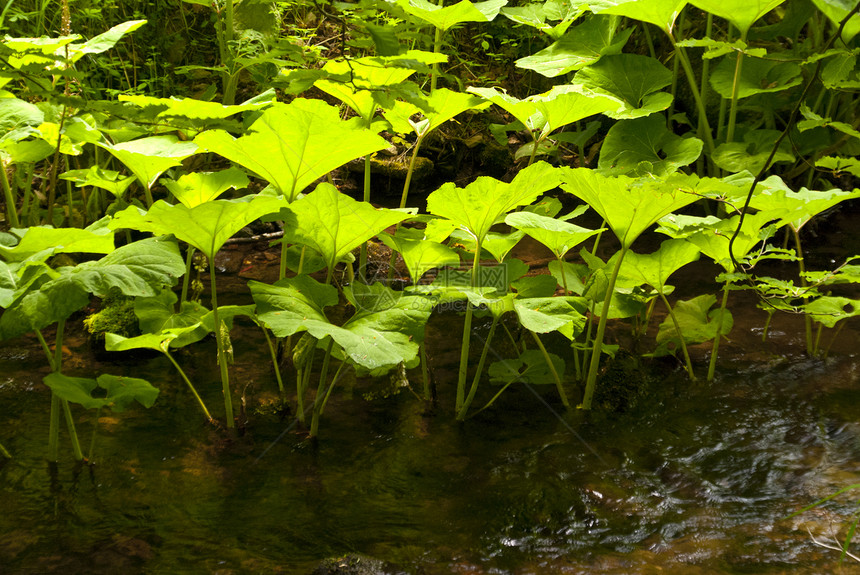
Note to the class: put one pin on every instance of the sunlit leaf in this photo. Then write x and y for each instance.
(200, 187)
(206, 226)
(290, 145)
(418, 254)
(661, 13)
(557, 235)
(629, 206)
(148, 158)
(580, 47)
(633, 80)
(449, 16)
(482, 203)
(836, 11)
(741, 13)
(654, 269)
(829, 310)
(334, 224)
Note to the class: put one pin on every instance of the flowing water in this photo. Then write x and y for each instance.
(691, 478)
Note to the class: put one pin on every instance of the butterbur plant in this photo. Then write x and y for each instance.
(36, 296)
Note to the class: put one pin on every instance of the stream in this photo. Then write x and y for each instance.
(691, 478)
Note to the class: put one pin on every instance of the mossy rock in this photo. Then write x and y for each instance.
(116, 316)
(398, 167)
(623, 384)
(351, 565)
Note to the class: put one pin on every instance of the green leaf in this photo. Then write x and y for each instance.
(137, 269)
(712, 237)
(156, 315)
(107, 40)
(557, 235)
(629, 206)
(661, 13)
(836, 11)
(547, 314)
(334, 224)
(716, 48)
(525, 111)
(290, 145)
(752, 153)
(800, 206)
(15, 113)
(841, 72)
(121, 391)
(530, 368)
(535, 286)
(449, 16)
(292, 304)
(418, 254)
(44, 241)
(200, 187)
(74, 389)
(757, 77)
(646, 146)
(654, 269)
(570, 274)
(206, 226)
(96, 176)
(840, 164)
(482, 203)
(384, 39)
(813, 120)
(564, 105)
(633, 80)
(148, 158)
(384, 331)
(829, 310)
(696, 323)
(741, 13)
(437, 108)
(580, 47)
(197, 112)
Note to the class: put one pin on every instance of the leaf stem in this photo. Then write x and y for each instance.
(687, 361)
(712, 366)
(11, 203)
(461, 414)
(190, 385)
(551, 366)
(597, 350)
(222, 356)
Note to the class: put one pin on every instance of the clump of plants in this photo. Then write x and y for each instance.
(139, 185)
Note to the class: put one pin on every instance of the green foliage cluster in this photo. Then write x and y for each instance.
(769, 113)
